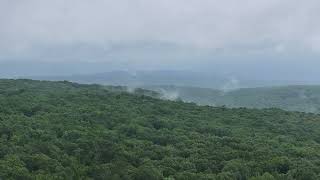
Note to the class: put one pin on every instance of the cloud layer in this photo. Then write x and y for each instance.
(250, 26)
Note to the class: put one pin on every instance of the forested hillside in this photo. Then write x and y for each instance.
(293, 98)
(63, 130)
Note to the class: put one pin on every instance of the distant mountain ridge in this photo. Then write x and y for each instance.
(207, 89)
(142, 78)
(166, 77)
(304, 98)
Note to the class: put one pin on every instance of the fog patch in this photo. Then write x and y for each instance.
(231, 85)
(134, 83)
(131, 89)
(312, 109)
(302, 94)
(169, 94)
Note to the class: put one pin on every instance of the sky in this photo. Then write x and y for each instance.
(164, 34)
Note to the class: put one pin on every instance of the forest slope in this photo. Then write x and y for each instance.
(63, 130)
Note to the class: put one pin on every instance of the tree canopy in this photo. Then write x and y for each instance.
(63, 130)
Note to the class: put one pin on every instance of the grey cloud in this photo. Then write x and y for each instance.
(208, 23)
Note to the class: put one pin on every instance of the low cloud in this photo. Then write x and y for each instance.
(287, 25)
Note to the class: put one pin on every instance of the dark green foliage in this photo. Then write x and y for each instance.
(62, 130)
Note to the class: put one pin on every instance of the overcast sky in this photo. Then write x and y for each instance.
(159, 32)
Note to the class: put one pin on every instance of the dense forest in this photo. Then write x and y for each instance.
(64, 130)
(303, 98)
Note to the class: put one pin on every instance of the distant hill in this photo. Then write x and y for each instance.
(142, 78)
(293, 98)
(164, 77)
(207, 89)
(213, 80)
